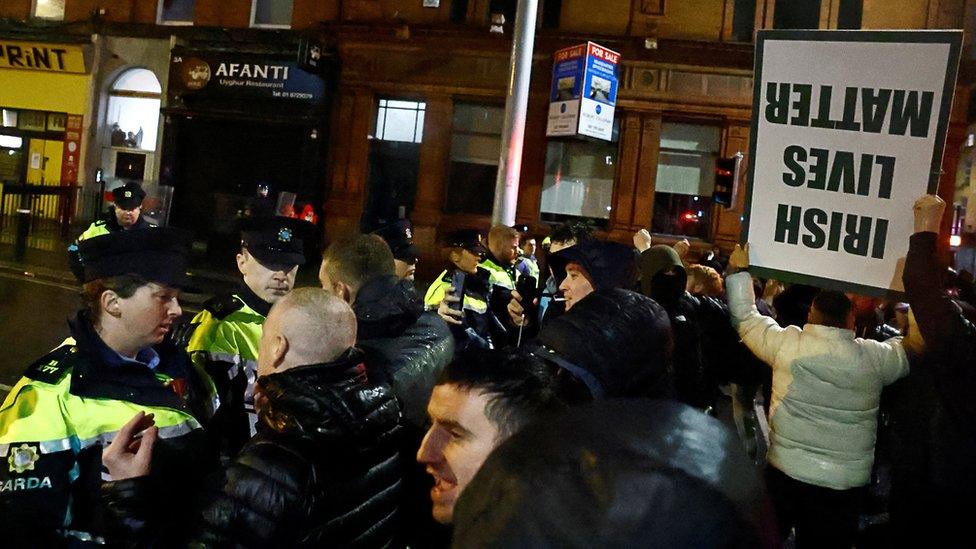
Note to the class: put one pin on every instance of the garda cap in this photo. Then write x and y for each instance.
(399, 236)
(128, 196)
(469, 239)
(157, 255)
(275, 240)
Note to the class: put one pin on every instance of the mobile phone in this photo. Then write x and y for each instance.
(457, 282)
(528, 289)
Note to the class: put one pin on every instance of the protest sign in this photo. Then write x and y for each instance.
(848, 130)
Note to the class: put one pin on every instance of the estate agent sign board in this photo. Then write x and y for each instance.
(848, 130)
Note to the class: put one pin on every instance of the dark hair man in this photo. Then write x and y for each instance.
(482, 398)
(322, 470)
(823, 415)
(228, 329)
(125, 214)
(404, 346)
(71, 402)
(399, 236)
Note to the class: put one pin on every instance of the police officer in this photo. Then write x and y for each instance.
(500, 261)
(125, 214)
(228, 330)
(118, 362)
(465, 309)
(399, 236)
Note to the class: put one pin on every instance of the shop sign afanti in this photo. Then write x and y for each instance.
(37, 56)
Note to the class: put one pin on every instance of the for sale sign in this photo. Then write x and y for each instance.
(848, 130)
(583, 93)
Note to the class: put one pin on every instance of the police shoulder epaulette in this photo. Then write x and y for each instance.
(52, 367)
(221, 306)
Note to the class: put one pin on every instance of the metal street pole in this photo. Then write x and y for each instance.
(510, 161)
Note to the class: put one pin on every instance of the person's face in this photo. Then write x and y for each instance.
(458, 442)
(466, 260)
(127, 218)
(575, 286)
(530, 247)
(508, 251)
(269, 282)
(404, 270)
(148, 315)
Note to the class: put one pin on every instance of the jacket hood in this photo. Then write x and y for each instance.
(608, 264)
(654, 261)
(621, 338)
(386, 306)
(330, 400)
(618, 473)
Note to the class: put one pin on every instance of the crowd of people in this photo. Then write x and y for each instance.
(594, 394)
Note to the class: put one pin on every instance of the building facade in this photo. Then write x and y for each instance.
(409, 124)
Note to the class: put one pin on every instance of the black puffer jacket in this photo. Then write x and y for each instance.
(323, 469)
(405, 347)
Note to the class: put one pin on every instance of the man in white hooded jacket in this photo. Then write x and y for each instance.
(824, 408)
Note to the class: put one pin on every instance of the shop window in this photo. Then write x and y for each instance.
(685, 179)
(48, 9)
(475, 148)
(133, 110)
(400, 120)
(743, 20)
(274, 14)
(796, 14)
(849, 14)
(175, 12)
(579, 179)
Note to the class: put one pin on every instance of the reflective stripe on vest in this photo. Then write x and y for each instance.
(498, 275)
(438, 289)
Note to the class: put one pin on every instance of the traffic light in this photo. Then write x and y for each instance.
(725, 172)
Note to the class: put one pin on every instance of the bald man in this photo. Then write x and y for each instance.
(325, 458)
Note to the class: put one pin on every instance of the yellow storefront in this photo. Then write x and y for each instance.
(45, 93)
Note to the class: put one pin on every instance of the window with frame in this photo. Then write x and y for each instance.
(400, 120)
(133, 110)
(48, 9)
(175, 12)
(579, 179)
(394, 162)
(271, 14)
(685, 179)
(796, 14)
(476, 144)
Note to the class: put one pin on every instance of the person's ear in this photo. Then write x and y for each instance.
(241, 260)
(278, 350)
(110, 303)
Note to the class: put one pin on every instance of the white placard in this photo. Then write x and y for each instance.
(848, 130)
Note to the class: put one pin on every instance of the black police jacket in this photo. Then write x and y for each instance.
(323, 469)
